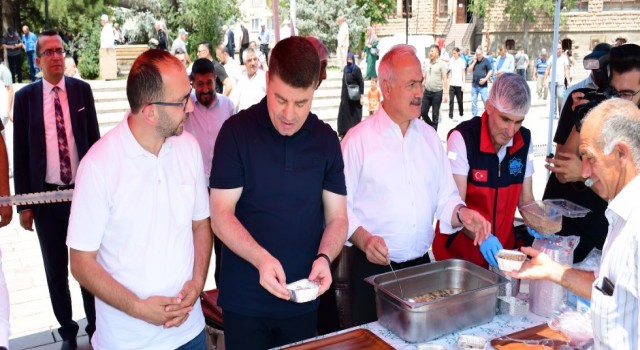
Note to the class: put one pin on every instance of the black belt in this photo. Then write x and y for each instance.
(54, 187)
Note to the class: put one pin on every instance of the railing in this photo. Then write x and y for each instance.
(447, 27)
(450, 46)
(467, 34)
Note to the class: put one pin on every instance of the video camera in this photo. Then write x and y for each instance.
(598, 63)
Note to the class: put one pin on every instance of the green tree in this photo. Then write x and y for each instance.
(143, 16)
(376, 10)
(519, 11)
(203, 19)
(318, 18)
(88, 43)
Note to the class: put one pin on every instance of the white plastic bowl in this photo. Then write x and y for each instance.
(303, 291)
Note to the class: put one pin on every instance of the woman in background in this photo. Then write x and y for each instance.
(371, 44)
(350, 112)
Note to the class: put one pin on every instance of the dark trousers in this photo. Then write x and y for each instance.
(431, 98)
(363, 301)
(15, 66)
(259, 333)
(51, 222)
(242, 48)
(457, 92)
(522, 72)
(264, 48)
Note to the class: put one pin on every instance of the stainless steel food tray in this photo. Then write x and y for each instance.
(418, 322)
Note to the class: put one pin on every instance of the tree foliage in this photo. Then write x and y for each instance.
(204, 19)
(376, 10)
(88, 44)
(139, 20)
(519, 10)
(318, 18)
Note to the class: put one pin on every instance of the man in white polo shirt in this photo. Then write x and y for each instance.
(139, 233)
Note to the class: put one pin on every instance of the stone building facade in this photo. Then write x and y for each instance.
(589, 22)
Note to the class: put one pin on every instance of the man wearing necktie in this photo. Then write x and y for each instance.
(55, 124)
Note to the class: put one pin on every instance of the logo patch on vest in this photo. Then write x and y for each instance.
(480, 175)
(515, 166)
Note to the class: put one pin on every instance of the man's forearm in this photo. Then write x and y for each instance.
(202, 243)
(360, 237)
(576, 281)
(333, 238)
(235, 236)
(101, 284)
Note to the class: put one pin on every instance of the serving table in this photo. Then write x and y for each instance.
(500, 325)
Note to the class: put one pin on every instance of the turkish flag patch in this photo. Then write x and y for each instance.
(480, 175)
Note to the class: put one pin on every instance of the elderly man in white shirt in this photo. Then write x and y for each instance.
(107, 52)
(610, 151)
(343, 41)
(394, 189)
(252, 86)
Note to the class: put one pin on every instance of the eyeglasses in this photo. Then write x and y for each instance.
(625, 94)
(52, 52)
(182, 104)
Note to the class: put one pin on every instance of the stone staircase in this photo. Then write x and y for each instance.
(456, 35)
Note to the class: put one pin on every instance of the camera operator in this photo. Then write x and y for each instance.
(566, 181)
(597, 80)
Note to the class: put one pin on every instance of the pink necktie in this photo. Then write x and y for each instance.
(63, 146)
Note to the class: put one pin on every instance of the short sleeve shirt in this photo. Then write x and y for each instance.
(282, 180)
(29, 41)
(221, 75)
(434, 71)
(480, 71)
(12, 40)
(136, 210)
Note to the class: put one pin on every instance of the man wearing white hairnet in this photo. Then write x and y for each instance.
(492, 163)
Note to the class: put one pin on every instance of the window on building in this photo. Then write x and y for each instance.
(510, 44)
(620, 5)
(255, 24)
(576, 6)
(443, 8)
(407, 8)
(256, 3)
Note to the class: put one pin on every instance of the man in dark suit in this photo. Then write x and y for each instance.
(231, 44)
(55, 124)
(244, 42)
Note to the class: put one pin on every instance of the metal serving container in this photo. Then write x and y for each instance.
(418, 322)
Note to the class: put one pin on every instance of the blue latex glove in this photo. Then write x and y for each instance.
(489, 249)
(535, 234)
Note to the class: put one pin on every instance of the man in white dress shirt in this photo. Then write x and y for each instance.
(343, 42)
(610, 151)
(108, 66)
(394, 191)
(253, 84)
